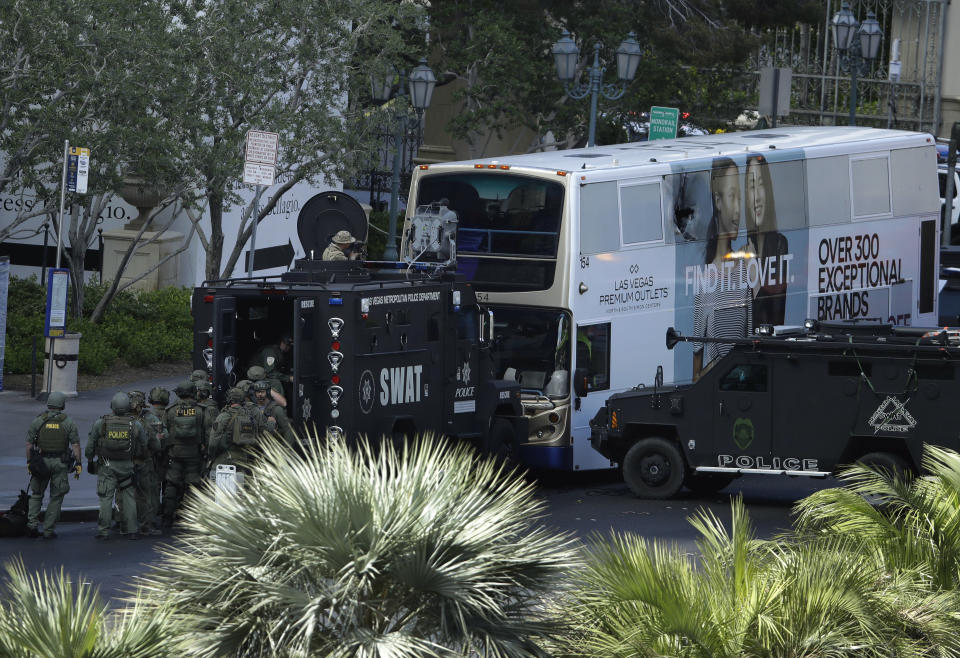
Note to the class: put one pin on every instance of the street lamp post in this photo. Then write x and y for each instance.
(857, 45)
(565, 56)
(421, 82)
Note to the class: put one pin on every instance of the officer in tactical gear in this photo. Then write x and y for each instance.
(186, 443)
(272, 410)
(341, 243)
(274, 360)
(198, 376)
(210, 409)
(236, 432)
(256, 374)
(147, 485)
(115, 440)
(159, 399)
(54, 438)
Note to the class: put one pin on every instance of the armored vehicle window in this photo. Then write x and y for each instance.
(593, 353)
(745, 377)
(848, 369)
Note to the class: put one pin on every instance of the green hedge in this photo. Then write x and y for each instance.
(139, 327)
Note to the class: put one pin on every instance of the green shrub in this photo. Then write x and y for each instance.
(139, 327)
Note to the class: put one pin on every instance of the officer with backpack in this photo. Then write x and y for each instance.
(185, 444)
(53, 447)
(114, 441)
(147, 483)
(272, 410)
(159, 398)
(210, 409)
(236, 432)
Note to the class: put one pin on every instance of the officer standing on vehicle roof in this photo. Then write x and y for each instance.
(273, 360)
(115, 440)
(187, 442)
(146, 483)
(341, 243)
(55, 436)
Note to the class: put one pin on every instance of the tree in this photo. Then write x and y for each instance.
(695, 57)
(422, 550)
(284, 67)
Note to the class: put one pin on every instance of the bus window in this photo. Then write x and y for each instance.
(533, 347)
(640, 215)
(599, 218)
(593, 354)
(870, 179)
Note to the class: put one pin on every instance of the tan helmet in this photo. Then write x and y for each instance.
(343, 237)
(198, 375)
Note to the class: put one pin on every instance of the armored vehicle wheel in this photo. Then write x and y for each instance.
(501, 443)
(653, 468)
(886, 462)
(707, 483)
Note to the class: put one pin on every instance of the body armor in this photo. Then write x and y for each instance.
(53, 436)
(117, 439)
(186, 429)
(244, 429)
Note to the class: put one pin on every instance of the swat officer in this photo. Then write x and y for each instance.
(115, 440)
(186, 443)
(236, 432)
(210, 409)
(256, 374)
(159, 398)
(198, 376)
(273, 360)
(54, 437)
(341, 243)
(272, 410)
(147, 485)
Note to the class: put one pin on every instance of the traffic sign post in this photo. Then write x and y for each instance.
(663, 122)
(259, 168)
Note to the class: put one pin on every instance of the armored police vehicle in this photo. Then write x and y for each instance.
(378, 348)
(803, 403)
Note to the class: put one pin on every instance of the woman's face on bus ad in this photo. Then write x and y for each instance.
(727, 199)
(756, 197)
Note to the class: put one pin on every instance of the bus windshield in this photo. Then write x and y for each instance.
(532, 346)
(499, 214)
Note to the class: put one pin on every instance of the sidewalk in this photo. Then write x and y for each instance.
(17, 411)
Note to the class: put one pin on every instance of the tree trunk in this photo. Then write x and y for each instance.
(215, 251)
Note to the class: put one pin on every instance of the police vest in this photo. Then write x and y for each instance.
(244, 429)
(53, 436)
(117, 439)
(186, 424)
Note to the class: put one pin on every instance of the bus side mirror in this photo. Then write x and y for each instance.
(580, 382)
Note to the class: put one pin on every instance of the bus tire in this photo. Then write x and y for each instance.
(707, 483)
(653, 468)
(886, 462)
(501, 442)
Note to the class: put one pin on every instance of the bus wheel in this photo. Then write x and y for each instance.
(707, 483)
(501, 443)
(653, 468)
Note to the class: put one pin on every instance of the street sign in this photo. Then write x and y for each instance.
(258, 174)
(78, 169)
(58, 282)
(663, 122)
(260, 158)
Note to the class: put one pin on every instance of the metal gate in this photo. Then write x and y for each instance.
(820, 93)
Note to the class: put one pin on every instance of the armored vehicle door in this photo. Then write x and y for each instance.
(224, 343)
(306, 371)
(741, 412)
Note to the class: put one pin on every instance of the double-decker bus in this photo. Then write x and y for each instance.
(587, 256)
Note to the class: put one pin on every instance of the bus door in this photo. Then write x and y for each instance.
(742, 419)
(224, 349)
(304, 402)
(591, 387)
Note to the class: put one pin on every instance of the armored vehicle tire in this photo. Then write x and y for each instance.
(886, 462)
(501, 442)
(654, 468)
(707, 483)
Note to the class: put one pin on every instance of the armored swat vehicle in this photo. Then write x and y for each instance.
(804, 403)
(378, 348)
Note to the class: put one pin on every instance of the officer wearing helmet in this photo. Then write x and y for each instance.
(341, 243)
(198, 376)
(147, 484)
(210, 409)
(272, 410)
(159, 399)
(236, 432)
(53, 435)
(256, 374)
(186, 447)
(114, 441)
